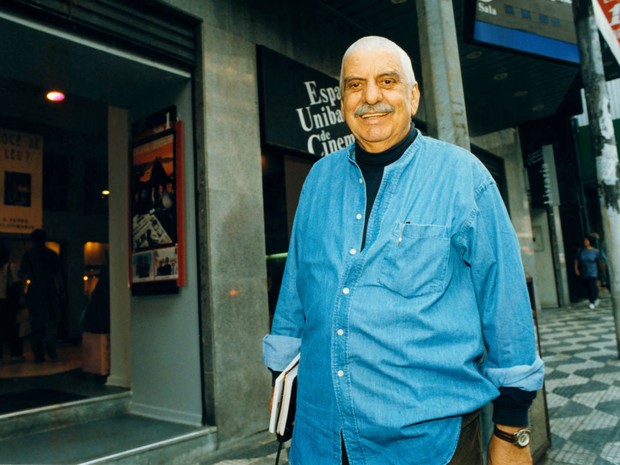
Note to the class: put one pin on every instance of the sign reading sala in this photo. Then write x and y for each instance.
(540, 27)
(300, 107)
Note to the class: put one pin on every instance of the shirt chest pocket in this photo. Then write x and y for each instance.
(415, 259)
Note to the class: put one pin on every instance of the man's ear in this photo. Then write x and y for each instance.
(415, 99)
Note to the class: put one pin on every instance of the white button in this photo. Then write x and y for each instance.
(340, 332)
(358, 216)
(361, 180)
(340, 373)
(352, 251)
(346, 291)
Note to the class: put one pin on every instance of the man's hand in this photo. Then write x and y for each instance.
(503, 453)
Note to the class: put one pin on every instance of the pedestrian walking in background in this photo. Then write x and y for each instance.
(586, 267)
(41, 269)
(603, 264)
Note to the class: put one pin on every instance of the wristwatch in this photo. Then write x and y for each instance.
(519, 438)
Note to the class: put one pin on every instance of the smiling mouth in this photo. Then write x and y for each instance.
(373, 115)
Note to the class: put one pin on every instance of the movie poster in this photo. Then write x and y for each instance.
(153, 208)
(156, 208)
(21, 182)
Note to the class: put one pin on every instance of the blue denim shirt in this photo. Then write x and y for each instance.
(420, 327)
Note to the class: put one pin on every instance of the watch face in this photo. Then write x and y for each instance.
(522, 438)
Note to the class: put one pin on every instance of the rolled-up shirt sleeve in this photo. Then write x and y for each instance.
(278, 351)
(491, 249)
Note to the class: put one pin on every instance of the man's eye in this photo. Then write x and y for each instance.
(388, 82)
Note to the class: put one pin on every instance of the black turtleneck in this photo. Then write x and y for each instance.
(372, 165)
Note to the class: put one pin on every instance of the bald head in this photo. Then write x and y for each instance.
(379, 93)
(369, 43)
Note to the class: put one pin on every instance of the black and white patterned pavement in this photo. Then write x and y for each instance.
(582, 382)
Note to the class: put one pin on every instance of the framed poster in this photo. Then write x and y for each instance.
(157, 216)
(21, 182)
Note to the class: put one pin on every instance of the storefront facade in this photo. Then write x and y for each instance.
(194, 356)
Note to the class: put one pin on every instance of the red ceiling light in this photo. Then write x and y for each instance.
(55, 96)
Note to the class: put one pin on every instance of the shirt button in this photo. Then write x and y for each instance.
(352, 251)
(346, 291)
(361, 180)
(358, 216)
(340, 332)
(340, 373)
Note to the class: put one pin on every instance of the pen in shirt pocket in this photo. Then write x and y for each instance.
(400, 232)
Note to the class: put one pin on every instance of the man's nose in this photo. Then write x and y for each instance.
(373, 93)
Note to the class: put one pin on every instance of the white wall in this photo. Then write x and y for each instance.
(165, 339)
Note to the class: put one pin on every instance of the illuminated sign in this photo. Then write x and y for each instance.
(300, 107)
(540, 27)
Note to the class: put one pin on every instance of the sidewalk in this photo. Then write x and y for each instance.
(258, 450)
(582, 382)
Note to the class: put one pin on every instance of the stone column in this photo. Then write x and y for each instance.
(442, 91)
(118, 232)
(233, 274)
(604, 146)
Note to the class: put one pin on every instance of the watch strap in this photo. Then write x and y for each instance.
(509, 437)
(512, 438)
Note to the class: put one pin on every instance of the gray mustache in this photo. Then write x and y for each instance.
(376, 108)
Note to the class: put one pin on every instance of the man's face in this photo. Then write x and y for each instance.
(377, 101)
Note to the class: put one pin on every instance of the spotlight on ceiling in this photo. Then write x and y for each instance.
(55, 96)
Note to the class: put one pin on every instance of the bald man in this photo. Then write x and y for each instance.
(403, 291)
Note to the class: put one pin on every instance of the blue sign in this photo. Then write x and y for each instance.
(540, 27)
